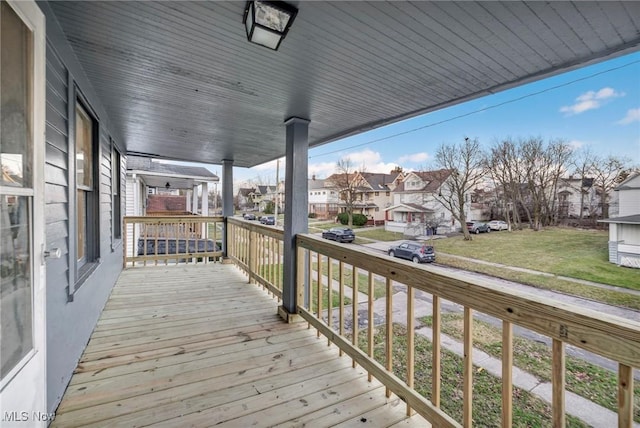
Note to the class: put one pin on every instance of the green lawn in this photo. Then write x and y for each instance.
(379, 235)
(567, 252)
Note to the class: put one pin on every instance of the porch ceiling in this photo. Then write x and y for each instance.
(179, 79)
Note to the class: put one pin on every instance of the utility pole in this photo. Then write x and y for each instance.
(277, 194)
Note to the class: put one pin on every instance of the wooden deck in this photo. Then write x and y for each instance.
(195, 345)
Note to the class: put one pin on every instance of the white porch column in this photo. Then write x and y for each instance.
(188, 196)
(227, 198)
(205, 199)
(205, 206)
(296, 206)
(194, 200)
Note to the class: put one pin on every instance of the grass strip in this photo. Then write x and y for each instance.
(610, 297)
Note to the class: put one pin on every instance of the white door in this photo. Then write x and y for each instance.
(22, 291)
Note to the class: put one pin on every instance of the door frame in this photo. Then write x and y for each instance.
(24, 389)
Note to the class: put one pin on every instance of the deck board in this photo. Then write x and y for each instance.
(198, 346)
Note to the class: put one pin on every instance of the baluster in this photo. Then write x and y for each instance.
(467, 407)
(370, 331)
(329, 294)
(507, 374)
(354, 310)
(436, 369)
(558, 384)
(389, 333)
(410, 342)
(341, 299)
(625, 396)
(319, 290)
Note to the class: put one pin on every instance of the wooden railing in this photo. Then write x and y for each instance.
(257, 250)
(342, 267)
(172, 239)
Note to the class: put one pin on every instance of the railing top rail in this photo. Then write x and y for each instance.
(172, 219)
(270, 231)
(606, 335)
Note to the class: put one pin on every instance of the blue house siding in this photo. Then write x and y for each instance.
(72, 311)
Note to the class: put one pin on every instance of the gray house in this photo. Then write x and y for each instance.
(87, 84)
(624, 229)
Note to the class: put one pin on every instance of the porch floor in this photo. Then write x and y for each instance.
(195, 345)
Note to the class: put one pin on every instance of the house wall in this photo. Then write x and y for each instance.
(629, 198)
(73, 310)
(382, 201)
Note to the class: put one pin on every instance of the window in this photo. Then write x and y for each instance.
(376, 194)
(116, 185)
(86, 188)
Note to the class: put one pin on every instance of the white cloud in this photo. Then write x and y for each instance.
(590, 100)
(575, 144)
(322, 169)
(414, 158)
(369, 161)
(633, 115)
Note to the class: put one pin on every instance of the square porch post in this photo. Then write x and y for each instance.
(227, 199)
(296, 206)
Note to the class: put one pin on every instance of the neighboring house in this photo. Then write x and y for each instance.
(323, 199)
(624, 230)
(149, 179)
(482, 204)
(578, 198)
(158, 188)
(244, 198)
(415, 210)
(374, 194)
(371, 192)
(262, 195)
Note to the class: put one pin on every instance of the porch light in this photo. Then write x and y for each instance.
(267, 22)
(167, 186)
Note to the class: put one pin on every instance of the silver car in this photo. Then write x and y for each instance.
(498, 225)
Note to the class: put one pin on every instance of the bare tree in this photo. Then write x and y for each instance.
(583, 164)
(345, 182)
(544, 165)
(505, 168)
(465, 163)
(607, 174)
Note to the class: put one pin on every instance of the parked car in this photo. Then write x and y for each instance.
(248, 216)
(498, 225)
(477, 227)
(339, 234)
(414, 251)
(268, 220)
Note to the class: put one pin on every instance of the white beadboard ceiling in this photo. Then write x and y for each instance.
(179, 80)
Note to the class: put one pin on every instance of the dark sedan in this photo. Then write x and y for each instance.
(268, 220)
(339, 234)
(416, 252)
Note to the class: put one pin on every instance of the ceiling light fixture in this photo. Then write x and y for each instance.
(267, 22)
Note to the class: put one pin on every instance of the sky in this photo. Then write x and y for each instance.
(596, 107)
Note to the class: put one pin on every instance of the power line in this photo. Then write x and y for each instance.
(552, 88)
